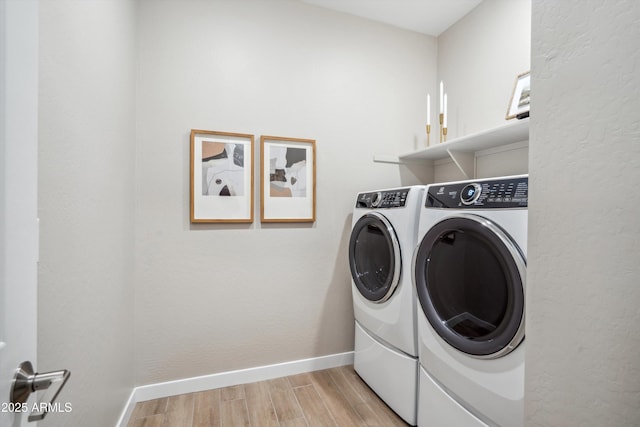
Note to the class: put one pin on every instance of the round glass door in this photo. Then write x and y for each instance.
(374, 257)
(469, 276)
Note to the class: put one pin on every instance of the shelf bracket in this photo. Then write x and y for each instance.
(465, 161)
(384, 158)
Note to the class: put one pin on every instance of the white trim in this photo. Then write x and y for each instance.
(125, 416)
(225, 379)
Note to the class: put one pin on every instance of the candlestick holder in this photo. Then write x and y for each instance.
(441, 118)
(444, 134)
(428, 134)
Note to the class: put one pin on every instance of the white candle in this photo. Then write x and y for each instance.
(441, 92)
(428, 109)
(445, 110)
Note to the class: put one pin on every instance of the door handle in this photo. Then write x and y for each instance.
(26, 381)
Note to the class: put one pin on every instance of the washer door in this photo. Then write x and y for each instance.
(470, 279)
(374, 257)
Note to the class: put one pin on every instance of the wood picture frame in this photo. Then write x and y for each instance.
(519, 102)
(221, 177)
(287, 179)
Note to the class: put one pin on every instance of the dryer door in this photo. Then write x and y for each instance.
(470, 278)
(374, 257)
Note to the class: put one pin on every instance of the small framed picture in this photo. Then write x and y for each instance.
(221, 176)
(519, 103)
(288, 179)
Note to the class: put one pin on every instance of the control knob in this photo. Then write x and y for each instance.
(470, 193)
(376, 199)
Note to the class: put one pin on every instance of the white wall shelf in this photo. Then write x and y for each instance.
(462, 150)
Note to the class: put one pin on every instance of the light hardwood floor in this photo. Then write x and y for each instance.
(332, 397)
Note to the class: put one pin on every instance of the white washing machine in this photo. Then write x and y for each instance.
(383, 237)
(469, 270)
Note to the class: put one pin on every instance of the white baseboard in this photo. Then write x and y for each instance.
(125, 416)
(225, 379)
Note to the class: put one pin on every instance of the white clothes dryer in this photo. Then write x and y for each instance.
(383, 237)
(469, 270)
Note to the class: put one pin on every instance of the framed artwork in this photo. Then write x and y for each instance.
(221, 176)
(519, 103)
(288, 179)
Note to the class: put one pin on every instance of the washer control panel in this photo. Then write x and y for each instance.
(494, 193)
(396, 198)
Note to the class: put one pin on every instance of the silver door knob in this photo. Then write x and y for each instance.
(26, 381)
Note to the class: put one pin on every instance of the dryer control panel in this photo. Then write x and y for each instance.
(396, 198)
(494, 193)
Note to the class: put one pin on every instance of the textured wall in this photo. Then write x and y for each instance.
(213, 298)
(583, 340)
(86, 189)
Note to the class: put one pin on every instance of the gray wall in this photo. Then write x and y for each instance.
(214, 298)
(583, 340)
(86, 200)
(479, 58)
